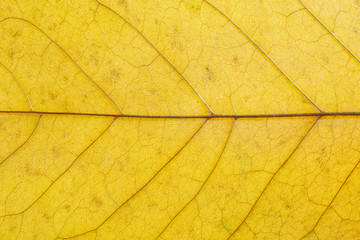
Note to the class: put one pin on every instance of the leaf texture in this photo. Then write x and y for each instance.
(192, 119)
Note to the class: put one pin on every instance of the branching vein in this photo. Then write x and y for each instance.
(324, 26)
(87, 75)
(139, 190)
(258, 47)
(273, 176)
(17, 149)
(203, 184)
(162, 55)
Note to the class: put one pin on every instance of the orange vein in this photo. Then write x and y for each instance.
(352, 54)
(162, 55)
(332, 200)
(32, 132)
(150, 180)
(19, 85)
(87, 75)
(47, 189)
(273, 176)
(202, 186)
(257, 45)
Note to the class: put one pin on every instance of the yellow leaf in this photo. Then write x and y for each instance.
(185, 119)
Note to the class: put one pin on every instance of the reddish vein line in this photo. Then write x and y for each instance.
(55, 180)
(271, 179)
(150, 180)
(202, 186)
(352, 54)
(162, 55)
(256, 45)
(26, 21)
(19, 85)
(332, 200)
(236, 116)
(32, 132)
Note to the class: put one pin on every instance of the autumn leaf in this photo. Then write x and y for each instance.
(190, 119)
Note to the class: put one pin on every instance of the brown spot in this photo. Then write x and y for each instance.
(52, 95)
(56, 152)
(174, 37)
(325, 60)
(94, 60)
(114, 73)
(287, 205)
(123, 3)
(12, 228)
(11, 54)
(73, 193)
(65, 78)
(17, 134)
(98, 202)
(159, 152)
(285, 202)
(327, 170)
(27, 168)
(46, 216)
(235, 59)
(52, 27)
(153, 91)
(67, 207)
(16, 34)
(209, 74)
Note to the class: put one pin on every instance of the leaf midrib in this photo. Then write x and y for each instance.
(236, 116)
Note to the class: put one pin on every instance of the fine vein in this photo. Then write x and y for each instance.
(150, 180)
(19, 85)
(275, 64)
(63, 50)
(332, 200)
(17, 149)
(162, 55)
(347, 49)
(57, 178)
(271, 179)
(203, 184)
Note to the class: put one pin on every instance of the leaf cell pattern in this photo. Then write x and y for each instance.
(192, 119)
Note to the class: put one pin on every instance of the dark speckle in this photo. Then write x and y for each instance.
(12, 229)
(52, 27)
(235, 59)
(52, 95)
(98, 202)
(67, 207)
(46, 216)
(209, 74)
(114, 73)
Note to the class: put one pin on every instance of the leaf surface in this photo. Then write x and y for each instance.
(186, 119)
